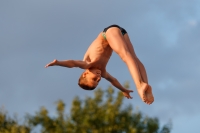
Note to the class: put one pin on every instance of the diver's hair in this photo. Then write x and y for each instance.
(82, 82)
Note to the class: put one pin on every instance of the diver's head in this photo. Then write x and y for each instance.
(89, 79)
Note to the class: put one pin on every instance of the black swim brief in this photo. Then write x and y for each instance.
(123, 31)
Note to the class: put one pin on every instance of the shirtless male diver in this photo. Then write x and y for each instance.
(112, 38)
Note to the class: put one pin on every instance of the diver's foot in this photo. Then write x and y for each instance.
(54, 62)
(149, 95)
(145, 93)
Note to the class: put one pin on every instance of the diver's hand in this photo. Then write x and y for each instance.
(126, 93)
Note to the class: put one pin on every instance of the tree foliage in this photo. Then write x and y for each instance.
(10, 125)
(103, 113)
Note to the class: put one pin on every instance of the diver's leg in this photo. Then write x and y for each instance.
(118, 44)
(140, 65)
(142, 70)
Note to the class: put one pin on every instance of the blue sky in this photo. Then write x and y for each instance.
(165, 35)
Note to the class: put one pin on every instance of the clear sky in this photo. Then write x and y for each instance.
(165, 35)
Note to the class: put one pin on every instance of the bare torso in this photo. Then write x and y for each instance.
(98, 53)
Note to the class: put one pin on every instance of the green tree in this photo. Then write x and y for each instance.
(102, 113)
(11, 125)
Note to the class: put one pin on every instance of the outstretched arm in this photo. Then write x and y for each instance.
(69, 64)
(116, 83)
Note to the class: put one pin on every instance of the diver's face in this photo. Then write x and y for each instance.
(93, 76)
